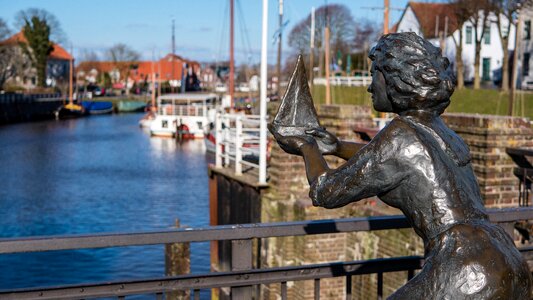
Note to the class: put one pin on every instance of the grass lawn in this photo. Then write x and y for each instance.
(485, 101)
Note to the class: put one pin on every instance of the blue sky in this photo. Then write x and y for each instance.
(201, 25)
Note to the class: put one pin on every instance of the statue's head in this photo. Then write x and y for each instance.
(409, 73)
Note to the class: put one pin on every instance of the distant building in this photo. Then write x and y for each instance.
(57, 68)
(171, 69)
(429, 21)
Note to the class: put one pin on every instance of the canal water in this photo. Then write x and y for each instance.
(96, 174)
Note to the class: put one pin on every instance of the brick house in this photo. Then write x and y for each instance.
(169, 69)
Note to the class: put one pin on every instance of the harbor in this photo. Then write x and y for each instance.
(266, 150)
(100, 174)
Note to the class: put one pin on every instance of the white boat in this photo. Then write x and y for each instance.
(186, 115)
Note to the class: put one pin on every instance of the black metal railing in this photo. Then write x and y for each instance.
(242, 277)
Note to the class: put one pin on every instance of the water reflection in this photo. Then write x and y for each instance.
(97, 174)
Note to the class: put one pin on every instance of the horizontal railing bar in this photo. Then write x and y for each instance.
(219, 279)
(226, 232)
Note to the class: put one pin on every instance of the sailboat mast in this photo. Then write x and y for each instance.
(71, 71)
(312, 51)
(279, 46)
(231, 56)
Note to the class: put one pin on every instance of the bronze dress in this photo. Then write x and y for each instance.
(421, 167)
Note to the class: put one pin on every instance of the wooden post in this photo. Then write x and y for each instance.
(326, 41)
(386, 17)
(178, 262)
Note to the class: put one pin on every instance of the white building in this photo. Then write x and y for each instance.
(429, 20)
(525, 75)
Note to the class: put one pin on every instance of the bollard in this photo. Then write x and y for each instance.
(177, 262)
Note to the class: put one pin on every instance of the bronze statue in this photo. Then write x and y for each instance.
(418, 165)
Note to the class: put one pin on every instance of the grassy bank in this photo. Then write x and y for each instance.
(466, 100)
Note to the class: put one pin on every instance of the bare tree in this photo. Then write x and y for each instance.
(366, 32)
(341, 24)
(56, 33)
(506, 15)
(461, 13)
(479, 11)
(6, 55)
(124, 59)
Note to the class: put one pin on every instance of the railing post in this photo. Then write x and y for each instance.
(241, 259)
(238, 145)
(218, 141)
(226, 141)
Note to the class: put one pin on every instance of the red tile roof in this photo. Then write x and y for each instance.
(144, 68)
(427, 13)
(57, 53)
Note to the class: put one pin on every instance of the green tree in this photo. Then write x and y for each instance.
(38, 47)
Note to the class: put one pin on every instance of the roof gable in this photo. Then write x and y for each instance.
(427, 15)
(57, 53)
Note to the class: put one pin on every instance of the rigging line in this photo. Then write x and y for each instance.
(244, 32)
(222, 42)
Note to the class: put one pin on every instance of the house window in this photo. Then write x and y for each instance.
(486, 35)
(468, 35)
(527, 30)
(525, 71)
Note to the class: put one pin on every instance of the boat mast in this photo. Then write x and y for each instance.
(71, 71)
(263, 96)
(173, 55)
(231, 56)
(153, 81)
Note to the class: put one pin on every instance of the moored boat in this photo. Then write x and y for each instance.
(185, 115)
(70, 110)
(131, 106)
(97, 107)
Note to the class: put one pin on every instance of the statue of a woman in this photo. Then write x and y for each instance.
(421, 167)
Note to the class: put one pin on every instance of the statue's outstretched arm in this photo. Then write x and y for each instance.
(329, 144)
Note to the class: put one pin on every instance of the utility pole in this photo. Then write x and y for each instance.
(312, 51)
(386, 8)
(231, 57)
(518, 38)
(279, 45)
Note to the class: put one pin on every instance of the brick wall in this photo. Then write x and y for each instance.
(487, 137)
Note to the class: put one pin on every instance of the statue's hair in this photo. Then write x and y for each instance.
(417, 76)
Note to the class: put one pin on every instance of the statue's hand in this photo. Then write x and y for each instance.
(293, 144)
(328, 143)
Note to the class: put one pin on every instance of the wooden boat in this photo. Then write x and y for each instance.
(98, 107)
(69, 111)
(131, 106)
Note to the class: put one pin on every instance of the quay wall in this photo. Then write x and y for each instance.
(28, 107)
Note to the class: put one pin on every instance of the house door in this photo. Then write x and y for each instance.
(486, 69)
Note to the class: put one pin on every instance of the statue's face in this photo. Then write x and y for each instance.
(378, 89)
